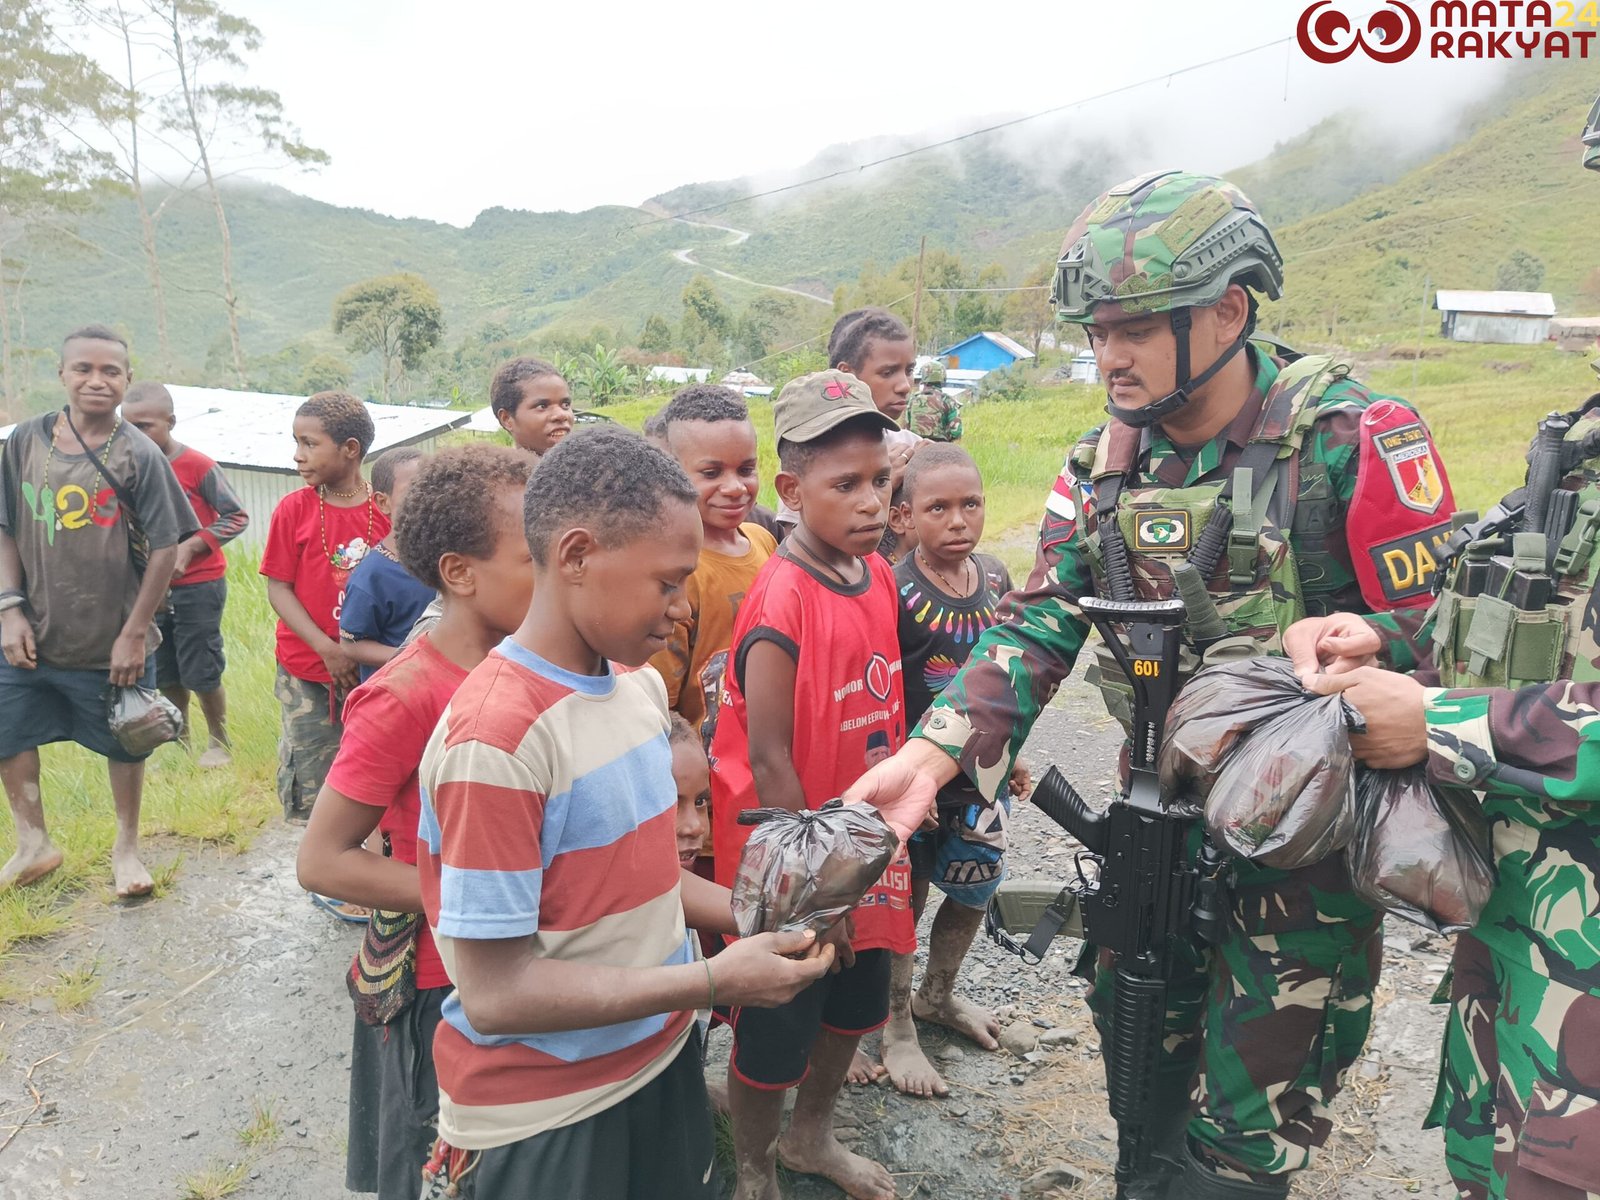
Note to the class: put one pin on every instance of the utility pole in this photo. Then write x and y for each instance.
(1422, 325)
(916, 305)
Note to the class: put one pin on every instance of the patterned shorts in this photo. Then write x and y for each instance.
(308, 743)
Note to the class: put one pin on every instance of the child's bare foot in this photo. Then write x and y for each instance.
(216, 756)
(863, 1070)
(859, 1178)
(908, 1067)
(30, 863)
(970, 1021)
(752, 1185)
(129, 875)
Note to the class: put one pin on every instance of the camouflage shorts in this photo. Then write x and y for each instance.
(1262, 1028)
(307, 745)
(1519, 1082)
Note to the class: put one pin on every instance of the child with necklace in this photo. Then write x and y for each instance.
(317, 536)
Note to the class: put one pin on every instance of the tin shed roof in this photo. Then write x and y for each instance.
(1522, 304)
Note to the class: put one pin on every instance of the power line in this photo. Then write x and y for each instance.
(1167, 76)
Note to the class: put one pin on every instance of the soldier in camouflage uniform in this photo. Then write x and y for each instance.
(1262, 1029)
(1519, 1081)
(930, 413)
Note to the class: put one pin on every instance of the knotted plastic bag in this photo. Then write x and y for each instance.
(805, 870)
(1421, 852)
(141, 719)
(1271, 760)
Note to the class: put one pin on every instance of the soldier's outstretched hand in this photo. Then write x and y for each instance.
(1330, 645)
(902, 788)
(1392, 706)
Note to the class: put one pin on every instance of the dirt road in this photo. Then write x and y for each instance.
(213, 1058)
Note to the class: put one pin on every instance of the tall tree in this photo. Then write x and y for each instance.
(396, 316)
(1030, 312)
(42, 87)
(203, 40)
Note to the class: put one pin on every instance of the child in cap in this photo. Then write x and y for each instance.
(812, 697)
(460, 532)
(317, 536)
(949, 594)
(567, 1055)
(384, 600)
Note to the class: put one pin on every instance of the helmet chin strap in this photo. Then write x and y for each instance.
(1151, 414)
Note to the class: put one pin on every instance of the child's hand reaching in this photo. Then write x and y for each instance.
(1021, 782)
(759, 971)
(838, 936)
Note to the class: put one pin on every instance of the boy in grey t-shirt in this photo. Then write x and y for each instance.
(76, 611)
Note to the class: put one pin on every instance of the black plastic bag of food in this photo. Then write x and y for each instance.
(141, 719)
(1421, 852)
(1271, 760)
(805, 870)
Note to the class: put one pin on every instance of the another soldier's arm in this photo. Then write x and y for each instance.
(985, 714)
(1541, 741)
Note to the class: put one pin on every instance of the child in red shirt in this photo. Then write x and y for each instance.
(460, 532)
(317, 536)
(812, 699)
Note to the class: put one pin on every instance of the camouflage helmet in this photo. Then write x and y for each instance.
(928, 370)
(1591, 138)
(1164, 241)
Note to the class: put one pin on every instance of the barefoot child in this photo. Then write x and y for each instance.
(461, 533)
(567, 1056)
(949, 594)
(383, 599)
(532, 403)
(78, 487)
(317, 536)
(812, 698)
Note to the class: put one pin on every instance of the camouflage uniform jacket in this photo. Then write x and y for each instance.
(1534, 751)
(985, 714)
(934, 415)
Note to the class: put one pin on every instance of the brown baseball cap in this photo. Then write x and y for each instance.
(808, 407)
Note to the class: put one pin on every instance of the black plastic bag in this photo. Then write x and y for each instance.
(805, 870)
(1271, 760)
(141, 719)
(1422, 853)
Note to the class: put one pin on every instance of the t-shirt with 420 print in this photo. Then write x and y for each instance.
(72, 534)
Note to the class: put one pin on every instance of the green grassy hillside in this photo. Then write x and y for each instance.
(1514, 184)
(1361, 221)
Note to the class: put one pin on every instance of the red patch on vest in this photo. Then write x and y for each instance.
(1060, 509)
(1393, 527)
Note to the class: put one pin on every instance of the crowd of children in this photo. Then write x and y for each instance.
(512, 678)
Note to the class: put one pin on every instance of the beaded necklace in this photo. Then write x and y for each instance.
(322, 515)
(943, 578)
(55, 436)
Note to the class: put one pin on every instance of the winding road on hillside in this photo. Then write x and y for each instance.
(686, 256)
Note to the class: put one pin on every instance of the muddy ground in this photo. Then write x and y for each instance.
(212, 1057)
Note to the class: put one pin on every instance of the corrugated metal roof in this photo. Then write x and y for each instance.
(252, 429)
(1525, 304)
(483, 421)
(1010, 345)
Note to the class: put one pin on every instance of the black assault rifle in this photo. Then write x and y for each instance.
(1146, 897)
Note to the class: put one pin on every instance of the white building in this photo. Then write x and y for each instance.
(1509, 318)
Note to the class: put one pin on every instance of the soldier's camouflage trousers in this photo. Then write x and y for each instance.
(308, 743)
(1262, 1028)
(1519, 1082)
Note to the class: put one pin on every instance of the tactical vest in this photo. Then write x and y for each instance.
(1516, 610)
(1256, 583)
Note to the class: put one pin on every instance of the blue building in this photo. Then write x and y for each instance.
(984, 352)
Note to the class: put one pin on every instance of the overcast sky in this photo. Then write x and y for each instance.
(441, 110)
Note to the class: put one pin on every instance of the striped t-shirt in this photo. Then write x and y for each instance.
(547, 811)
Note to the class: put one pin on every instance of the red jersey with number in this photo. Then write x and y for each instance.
(849, 713)
(314, 547)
